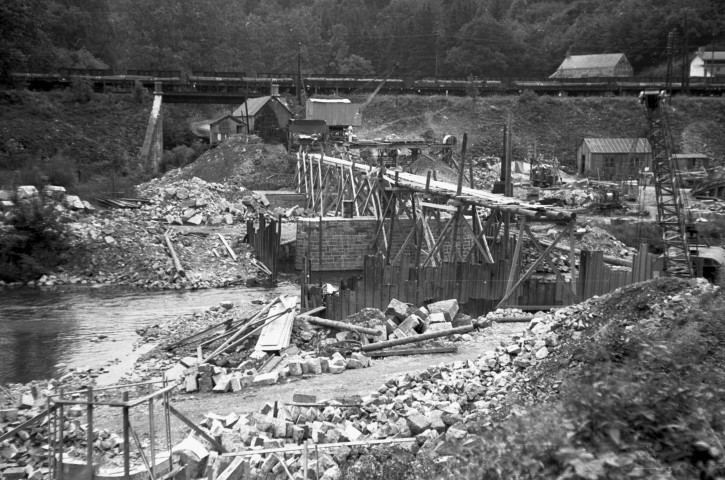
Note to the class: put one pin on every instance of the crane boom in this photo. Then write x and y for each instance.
(670, 205)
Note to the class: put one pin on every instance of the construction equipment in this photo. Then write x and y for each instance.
(544, 173)
(365, 104)
(671, 213)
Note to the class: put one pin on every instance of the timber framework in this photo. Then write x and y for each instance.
(451, 223)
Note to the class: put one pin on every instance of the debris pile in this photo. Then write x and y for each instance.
(193, 202)
(274, 342)
(435, 412)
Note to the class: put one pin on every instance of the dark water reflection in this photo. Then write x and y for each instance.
(41, 329)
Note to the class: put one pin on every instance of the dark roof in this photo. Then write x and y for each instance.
(710, 56)
(618, 145)
(606, 60)
(202, 128)
(254, 105)
(224, 117)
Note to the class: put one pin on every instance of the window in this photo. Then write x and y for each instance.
(609, 163)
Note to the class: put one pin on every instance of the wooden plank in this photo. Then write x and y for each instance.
(276, 335)
(198, 430)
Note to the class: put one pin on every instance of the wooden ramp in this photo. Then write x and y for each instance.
(276, 335)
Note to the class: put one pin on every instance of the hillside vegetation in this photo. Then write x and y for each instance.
(553, 125)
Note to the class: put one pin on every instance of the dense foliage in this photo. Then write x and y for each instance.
(34, 244)
(426, 37)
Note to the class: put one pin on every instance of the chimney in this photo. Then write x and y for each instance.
(274, 90)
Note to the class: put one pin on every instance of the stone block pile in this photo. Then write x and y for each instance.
(259, 370)
(404, 321)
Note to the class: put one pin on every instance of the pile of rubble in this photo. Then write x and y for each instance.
(570, 197)
(312, 345)
(127, 246)
(434, 412)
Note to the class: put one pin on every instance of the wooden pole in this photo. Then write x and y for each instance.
(198, 430)
(126, 440)
(89, 433)
(229, 249)
(572, 261)
(514, 272)
(149, 468)
(152, 432)
(416, 338)
(412, 351)
(61, 439)
(323, 322)
(174, 257)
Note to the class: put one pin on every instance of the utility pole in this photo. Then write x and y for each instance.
(685, 85)
(299, 73)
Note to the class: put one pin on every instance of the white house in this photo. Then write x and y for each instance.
(707, 64)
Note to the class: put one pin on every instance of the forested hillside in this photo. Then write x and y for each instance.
(426, 37)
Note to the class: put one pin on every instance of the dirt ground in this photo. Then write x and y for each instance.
(350, 383)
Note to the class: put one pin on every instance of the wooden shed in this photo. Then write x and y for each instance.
(221, 128)
(613, 158)
(267, 116)
(604, 65)
(691, 161)
(337, 113)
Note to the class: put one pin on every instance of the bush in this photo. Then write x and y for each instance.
(60, 171)
(177, 157)
(81, 90)
(34, 245)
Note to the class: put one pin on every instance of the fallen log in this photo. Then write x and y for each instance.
(412, 351)
(525, 318)
(323, 322)
(174, 257)
(416, 338)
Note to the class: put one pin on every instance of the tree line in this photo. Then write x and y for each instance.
(356, 37)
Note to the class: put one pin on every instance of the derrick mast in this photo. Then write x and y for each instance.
(670, 205)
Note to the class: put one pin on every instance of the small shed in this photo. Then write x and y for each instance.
(267, 116)
(691, 161)
(221, 128)
(707, 64)
(337, 113)
(604, 65)
(613, 158)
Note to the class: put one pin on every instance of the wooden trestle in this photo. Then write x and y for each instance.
(442, 213)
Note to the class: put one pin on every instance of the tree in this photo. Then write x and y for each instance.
(23, 43)
(356, 65)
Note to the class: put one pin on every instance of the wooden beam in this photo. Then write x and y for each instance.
(226, 245)
(197, 429)
(440, 241)
(412, 351)
(513, 273)
(174, 257)
(545, 255)
(531, 269)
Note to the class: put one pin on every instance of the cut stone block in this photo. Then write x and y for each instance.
(266, 378)
(439, 327)
(447, 307)
(397, 308)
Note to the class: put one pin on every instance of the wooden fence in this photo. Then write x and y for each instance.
(266, 242)
(478, 287)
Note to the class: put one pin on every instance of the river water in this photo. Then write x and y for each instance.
(45, 333)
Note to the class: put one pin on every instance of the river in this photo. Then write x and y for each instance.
(44, 333)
